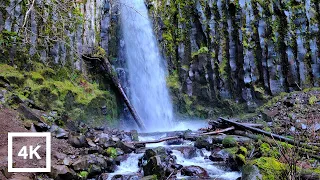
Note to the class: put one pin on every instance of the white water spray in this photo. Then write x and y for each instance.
(146, 69)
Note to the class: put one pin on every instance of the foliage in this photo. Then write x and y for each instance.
(202, 50)
(270, 167)
(173, 80)
(313, 100)
(83, 174)
(229, 141)
(111, 152)
(61, 92)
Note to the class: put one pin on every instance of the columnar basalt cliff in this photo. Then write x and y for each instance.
(54, 32)
(220, 52)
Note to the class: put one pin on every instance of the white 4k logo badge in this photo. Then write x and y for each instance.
(29, 152)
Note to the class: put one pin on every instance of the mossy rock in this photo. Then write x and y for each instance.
(11, 74)
(270, 168)
(268, 151)
(83, 174)
(250, 172)
(111, 152)
(229, 141)
(240, 159)
(37, 77)
(242, 150)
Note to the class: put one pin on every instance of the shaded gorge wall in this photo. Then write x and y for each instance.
(222, 53)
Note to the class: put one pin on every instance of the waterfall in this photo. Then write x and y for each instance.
(146, 67)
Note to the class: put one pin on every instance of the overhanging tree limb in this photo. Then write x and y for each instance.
(106, 66)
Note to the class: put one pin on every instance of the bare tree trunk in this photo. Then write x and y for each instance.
(106, 66)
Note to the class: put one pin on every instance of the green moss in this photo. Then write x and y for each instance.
(111, 152)
(270, 168)
(232, 150)
(313, 100)
(268, 151)
(11, 74)
(202, 50)
(37, 77)
(241, 159)
(173, 80)
(242, 150)
(229, 141)
(83, 174)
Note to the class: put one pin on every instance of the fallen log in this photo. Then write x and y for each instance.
(272, 135)
(301, 150)
(144, 134)
(106, 67)
(219, 125)
(180, 137)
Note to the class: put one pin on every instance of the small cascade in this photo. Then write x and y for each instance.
(146, 69)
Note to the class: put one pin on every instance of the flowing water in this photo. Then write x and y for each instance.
(146, 67)
(149, 95)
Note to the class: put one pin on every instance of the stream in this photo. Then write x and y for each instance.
(200, 157)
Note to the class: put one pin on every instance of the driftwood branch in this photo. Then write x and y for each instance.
(181, 137)
(106, 67)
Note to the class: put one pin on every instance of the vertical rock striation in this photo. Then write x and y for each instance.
(224, 51)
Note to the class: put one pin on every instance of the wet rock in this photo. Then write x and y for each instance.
(125, 147)
(151, 177)
(126, 177)
(154, 167)
(62, 172)
(250, 172)
(103, 176)
(177, 166)
(134, 135)
(234, 140)
(188, 151)
(94, 170)
(203, 142)
(194, 171)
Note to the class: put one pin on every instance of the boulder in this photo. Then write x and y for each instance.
(203, 142)
(77, 141)
(125, 177)
(154, 167)
(194, 171)
(250, 172)
(62, 172)
(188, 151)
(125, 147)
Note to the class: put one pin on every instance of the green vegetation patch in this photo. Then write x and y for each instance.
(270, 167)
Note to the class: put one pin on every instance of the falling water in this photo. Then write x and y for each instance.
(146, 69)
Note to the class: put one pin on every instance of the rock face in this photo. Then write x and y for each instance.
(87, 23)
(237, 50)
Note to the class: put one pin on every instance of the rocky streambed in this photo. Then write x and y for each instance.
(110, 154)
